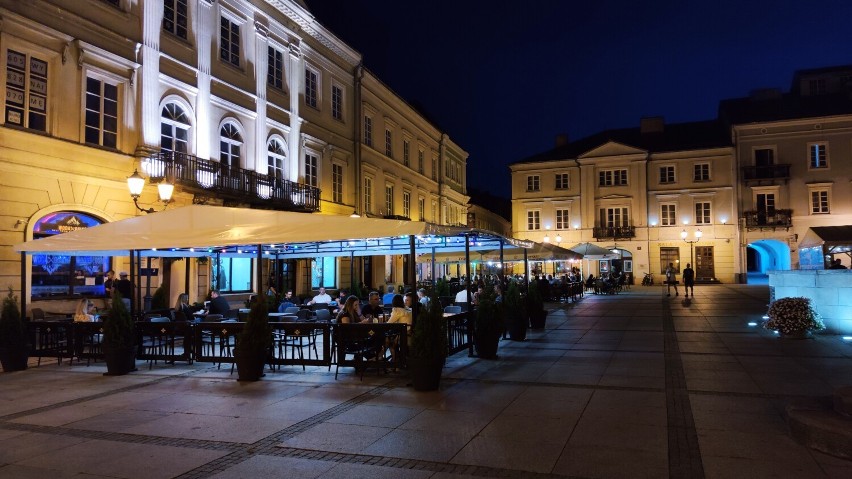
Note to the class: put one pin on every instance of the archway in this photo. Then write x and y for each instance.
(767, 255)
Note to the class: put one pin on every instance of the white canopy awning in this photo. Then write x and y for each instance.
(200, 230)
(538, 252)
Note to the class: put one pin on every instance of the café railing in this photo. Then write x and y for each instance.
(458, 334)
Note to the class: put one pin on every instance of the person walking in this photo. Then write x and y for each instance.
(688, 280)
(670, 280)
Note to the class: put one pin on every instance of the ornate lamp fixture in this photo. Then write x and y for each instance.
(136, 183)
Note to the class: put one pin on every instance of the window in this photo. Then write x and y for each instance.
(275, 68)
(667, 174)
(174, 129)
(562, 218)
(60, 275)
(101, 113)
(230, 142)
(406, 204)
(406, 153)
(311, 170)
(434, 169)
(337, 183)
(388, 143)
(324, 272)
(614, 217)
(435, 218)
(612, 178)
(764, 157)
(533, 183)
(368, 131)
(337, 102)
(818, 155)
(702, 213)
(562, 181)
(765, 203)
(668, 215)
(534, 220)
(174, 17)
(229, 41)
(669, 255)
(420, 161)
(311, 87)
(233, 275)
(26, 91)
(368, 195)
(275, 156)
(819, 202)
(701, 172)
(388, 200)
(421, 205)
(816, 86)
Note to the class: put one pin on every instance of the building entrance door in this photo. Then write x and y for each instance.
(704, 268)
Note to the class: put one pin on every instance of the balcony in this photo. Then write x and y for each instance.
(211, 179)
(770, 219)
(759, 174)
(615, 232)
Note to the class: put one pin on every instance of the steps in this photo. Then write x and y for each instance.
(824, 424)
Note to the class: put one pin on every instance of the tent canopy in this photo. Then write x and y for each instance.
(835, 239)
(200, 230)
(592, 251)
(538, 252)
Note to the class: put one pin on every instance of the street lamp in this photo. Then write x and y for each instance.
(684, 235)
(135, 183)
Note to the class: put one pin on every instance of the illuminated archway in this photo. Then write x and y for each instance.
(768, 255)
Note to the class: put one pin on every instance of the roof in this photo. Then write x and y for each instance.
(785, 106)
(834, 238)
(201, 230)
(674, 137)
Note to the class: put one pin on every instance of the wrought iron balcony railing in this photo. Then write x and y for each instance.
(768, 219)
(218, 180)
(615, 232)
(771, 172)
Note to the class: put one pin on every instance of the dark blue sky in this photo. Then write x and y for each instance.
(504, 78)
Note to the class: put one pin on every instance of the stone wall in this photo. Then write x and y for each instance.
(830, 291)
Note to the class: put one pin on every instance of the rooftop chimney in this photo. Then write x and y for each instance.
(561, 140)
(652, 124)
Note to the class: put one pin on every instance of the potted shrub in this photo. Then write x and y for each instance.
(516, 313)
(14, 350)
(253, 343)
(793, 317)
(119, 339)
(160, 300)
(428, 350)
(535, 306)
(489, 324)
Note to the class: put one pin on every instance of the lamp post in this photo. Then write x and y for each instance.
(684, 235)
(136, 183)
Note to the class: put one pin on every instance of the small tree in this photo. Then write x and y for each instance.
(429, 335)
(160, 300)
(256, 336)
(516, 312)
(442, 288)
(489, 323)
(12, 329)
(118, 325)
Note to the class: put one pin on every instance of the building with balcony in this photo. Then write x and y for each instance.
(634, 191)
(246, 103)
(793, 151)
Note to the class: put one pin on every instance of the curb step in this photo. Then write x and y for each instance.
(823, 424)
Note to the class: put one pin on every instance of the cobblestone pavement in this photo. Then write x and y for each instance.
(629, 385)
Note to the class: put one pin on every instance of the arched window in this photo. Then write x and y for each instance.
(174, 129)
(230, 142)
(63, 275)
(276, 157)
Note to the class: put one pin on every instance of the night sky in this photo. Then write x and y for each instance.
(504, 78)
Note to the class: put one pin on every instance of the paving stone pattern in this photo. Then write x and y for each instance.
(629, 385)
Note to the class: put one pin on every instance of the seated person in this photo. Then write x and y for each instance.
(399, 314)
(322, 297)
(218, 304)
(182, 306)
(349, 312)
(84, 311)
(421, 295)
(388, 297)
(373, 309)
(288, 301)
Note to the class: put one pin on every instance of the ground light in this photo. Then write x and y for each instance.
(752, 323)
(847, 338)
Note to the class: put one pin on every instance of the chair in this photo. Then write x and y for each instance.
(453, 309)
(353, 339)
(319, 306)
(159, 341)
(213, 317)
(323, 315)
(292, 310)
(38, 314)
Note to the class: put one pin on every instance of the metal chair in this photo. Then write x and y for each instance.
(453, 309)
